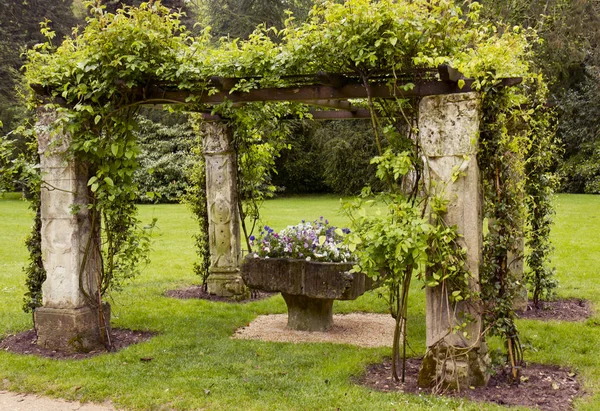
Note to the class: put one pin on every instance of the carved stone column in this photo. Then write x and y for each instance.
(224, 219)
(65, 321)
(449, 129)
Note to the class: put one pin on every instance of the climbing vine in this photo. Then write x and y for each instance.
(100, 77)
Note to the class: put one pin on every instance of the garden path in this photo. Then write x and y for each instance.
(29, 402)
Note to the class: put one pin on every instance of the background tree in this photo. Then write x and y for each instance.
(569, 57)
(166, 140)
(328, 156)
(239, 18)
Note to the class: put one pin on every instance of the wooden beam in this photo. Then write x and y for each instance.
(340, 115)
(318, 92)
(359, 114)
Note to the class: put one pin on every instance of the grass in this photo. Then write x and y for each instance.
(196, 365)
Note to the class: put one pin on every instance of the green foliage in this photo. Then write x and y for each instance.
(6, 169)
(196, 200)
(346, 149)
(299, 167)
(35, 272)
(540, 187)
(568, 56)
(579, 130)
(329, 156)
(501, 158)
(166, 144)
(239, 18)
(517, 150)
(403, 243)
(567, 30)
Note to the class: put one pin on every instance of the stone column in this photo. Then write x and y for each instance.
(66, 321)
(515, 265)
(223, 214)
(449, 129)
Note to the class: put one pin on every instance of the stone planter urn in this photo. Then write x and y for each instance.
(308, 287)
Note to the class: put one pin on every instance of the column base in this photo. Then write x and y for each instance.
(454, 367)
(227, 284)
(308, 314)
(70, 329)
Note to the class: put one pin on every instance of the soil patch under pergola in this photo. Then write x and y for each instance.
(570, 309)
(546, 387)
(26, 343)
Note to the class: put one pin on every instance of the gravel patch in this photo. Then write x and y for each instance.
(361, 329)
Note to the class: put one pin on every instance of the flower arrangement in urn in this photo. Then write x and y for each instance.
(312, 241)
(311, 266)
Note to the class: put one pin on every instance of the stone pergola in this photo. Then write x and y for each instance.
(449, 119)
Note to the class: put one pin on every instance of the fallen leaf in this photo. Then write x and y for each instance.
(555, 386)
(146, 359)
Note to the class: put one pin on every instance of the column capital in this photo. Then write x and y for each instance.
(217, 138)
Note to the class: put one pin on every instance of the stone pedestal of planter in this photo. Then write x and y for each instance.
(308, 288)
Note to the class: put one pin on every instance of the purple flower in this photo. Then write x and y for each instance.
(304, 241)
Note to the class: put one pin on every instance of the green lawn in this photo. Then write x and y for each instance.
(196, 366)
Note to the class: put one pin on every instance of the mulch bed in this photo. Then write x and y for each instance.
(571, 309)
(546, 387)
(198, 292)
(25, 343)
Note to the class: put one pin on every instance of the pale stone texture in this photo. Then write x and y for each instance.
(224, 220)
(65, 316)
(449, 129)
(515, 265)
(308, 287)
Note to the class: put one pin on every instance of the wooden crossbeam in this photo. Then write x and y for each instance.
(316, 93)
(359, 114)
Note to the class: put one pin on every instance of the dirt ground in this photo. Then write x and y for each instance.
(571, 309)
(10, 401)
(546, 387)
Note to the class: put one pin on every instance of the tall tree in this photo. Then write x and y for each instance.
(569, 56)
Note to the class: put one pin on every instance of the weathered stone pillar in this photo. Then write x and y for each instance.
(65, 321)
(515, 265)
(224, 218)
(449, 129)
